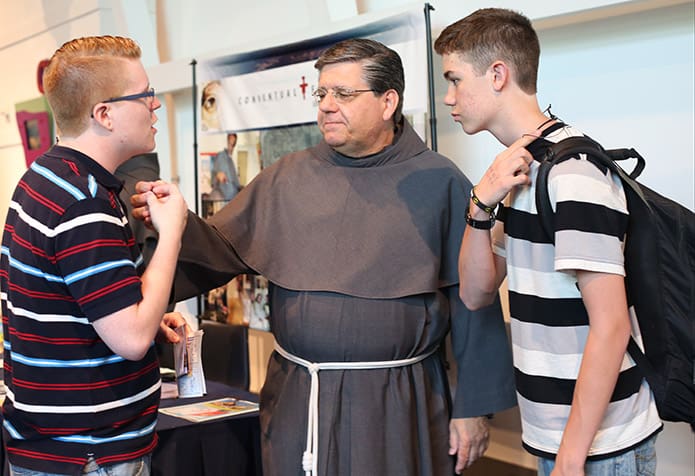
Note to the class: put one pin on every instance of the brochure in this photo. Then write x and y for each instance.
(189, 365)
(211, 410)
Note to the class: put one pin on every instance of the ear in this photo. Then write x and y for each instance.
(391, 100)
(101, 113)
(500, 75)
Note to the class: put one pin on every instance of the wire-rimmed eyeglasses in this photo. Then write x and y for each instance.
(340, 94)
(130, 97)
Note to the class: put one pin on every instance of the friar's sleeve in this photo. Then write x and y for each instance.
(484, 373)
(206, 260)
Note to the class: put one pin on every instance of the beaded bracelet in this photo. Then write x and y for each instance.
(479, 224)
(481, 205)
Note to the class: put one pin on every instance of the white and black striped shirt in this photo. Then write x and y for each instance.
(549, 322)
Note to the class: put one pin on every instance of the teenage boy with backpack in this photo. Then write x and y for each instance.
(585, 408)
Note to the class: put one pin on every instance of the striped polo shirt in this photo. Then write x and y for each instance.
(69, 258)
(549, 322)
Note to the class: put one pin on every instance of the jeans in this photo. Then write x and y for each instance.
(640, 461)
(136, 467)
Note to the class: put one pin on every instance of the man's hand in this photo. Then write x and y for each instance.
(468, 440)
(168, 209)
(171, 321)
(139, 202)
(509, 169)
(221, 177)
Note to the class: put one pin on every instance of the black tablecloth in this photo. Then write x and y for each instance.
(229, 446)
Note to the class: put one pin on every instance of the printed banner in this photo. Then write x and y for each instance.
(272, 88)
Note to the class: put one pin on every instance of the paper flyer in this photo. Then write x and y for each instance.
(212, 410)
(189, 365)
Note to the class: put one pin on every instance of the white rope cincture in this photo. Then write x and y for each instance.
(310, 457)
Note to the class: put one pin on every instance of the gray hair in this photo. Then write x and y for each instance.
(382, 67)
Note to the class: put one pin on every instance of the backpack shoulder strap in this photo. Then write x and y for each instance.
(555, 154)
(572, 147)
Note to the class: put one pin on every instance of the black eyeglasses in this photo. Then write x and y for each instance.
(147, 94)
(340, 95)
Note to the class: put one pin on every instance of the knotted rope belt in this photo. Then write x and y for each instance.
(310, 457)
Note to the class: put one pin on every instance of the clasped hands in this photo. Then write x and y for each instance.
(149, 197)
(161, 206)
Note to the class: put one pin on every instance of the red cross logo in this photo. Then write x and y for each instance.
(303, 85)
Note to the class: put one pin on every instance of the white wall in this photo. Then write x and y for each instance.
(626, 81)
(622, 71)
(32, 30)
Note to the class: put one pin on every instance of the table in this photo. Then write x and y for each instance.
(229, 446)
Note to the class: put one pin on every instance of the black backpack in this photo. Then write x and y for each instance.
(660, 274)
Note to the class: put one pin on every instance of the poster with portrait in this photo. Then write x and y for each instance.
(244, 300)
(265, 98)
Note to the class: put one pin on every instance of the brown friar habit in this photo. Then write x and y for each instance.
(361, 255)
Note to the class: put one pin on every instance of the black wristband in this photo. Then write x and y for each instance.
(479, 224)
(481, 205)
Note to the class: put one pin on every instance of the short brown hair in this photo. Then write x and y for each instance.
(83, 72)
(492, 34)
(382, 67)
